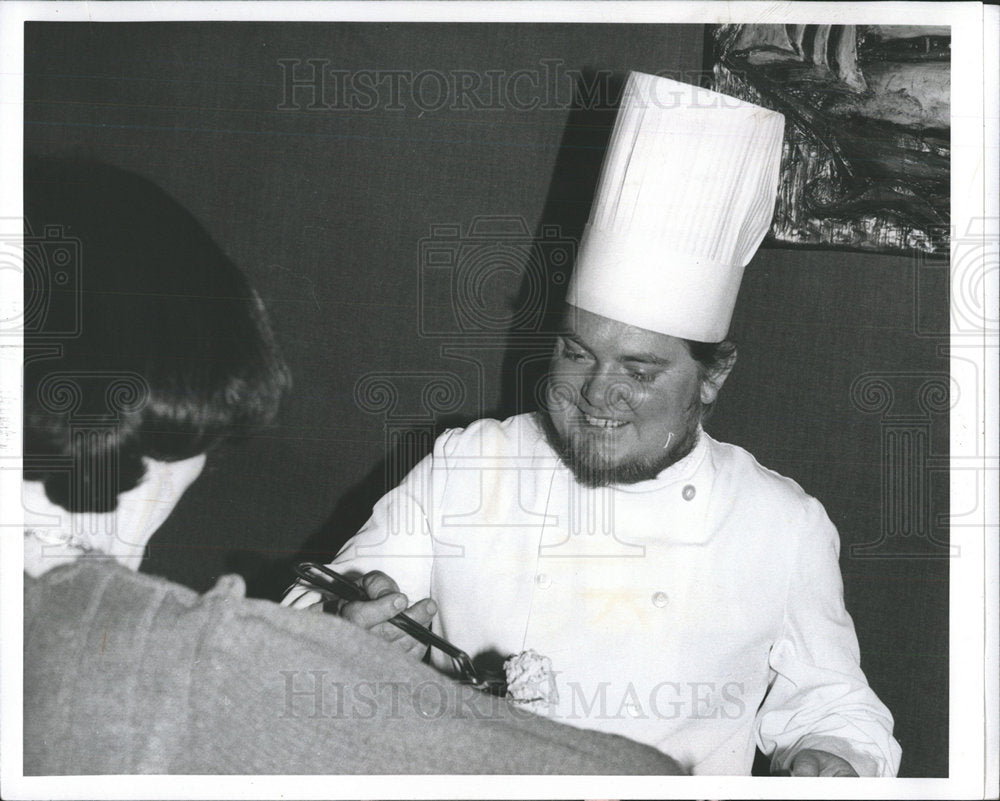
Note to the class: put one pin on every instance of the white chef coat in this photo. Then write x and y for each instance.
(700, 612)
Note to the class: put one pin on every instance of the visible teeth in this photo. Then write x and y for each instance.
(600, 422)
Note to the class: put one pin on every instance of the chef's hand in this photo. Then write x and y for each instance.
(388, 602)
(813, 762)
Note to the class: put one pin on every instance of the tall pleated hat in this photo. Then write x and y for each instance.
(686, 195)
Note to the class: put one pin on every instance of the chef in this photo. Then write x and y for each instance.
(687, 596)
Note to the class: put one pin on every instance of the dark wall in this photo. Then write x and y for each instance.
(835, 351)
(336, 204)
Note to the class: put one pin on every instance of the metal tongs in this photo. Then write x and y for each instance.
(331, 584)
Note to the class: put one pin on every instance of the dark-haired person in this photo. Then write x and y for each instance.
(131, 379)
(685, 596)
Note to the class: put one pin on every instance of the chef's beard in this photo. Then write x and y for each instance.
(578, 452)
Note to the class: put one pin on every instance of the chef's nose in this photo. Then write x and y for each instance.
(606, 392)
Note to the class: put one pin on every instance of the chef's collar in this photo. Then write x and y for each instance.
(682, 470)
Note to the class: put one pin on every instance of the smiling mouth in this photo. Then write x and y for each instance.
(601, 422)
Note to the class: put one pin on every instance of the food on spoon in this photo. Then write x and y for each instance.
(531, 683)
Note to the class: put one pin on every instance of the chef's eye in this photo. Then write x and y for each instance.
(573, 354)
(641, 373)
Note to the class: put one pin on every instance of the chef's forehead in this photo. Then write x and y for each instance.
(594, 329)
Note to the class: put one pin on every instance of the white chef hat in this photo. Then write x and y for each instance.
(685, 197)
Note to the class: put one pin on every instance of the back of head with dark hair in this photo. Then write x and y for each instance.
(150, 343)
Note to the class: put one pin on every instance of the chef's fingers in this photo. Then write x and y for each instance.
(377, 584)
(413, 648)
(387, 601)
(369, 614)
(423, 611)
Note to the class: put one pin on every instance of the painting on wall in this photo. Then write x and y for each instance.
(867, 138)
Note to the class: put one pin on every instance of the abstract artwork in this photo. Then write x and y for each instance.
(867, 138)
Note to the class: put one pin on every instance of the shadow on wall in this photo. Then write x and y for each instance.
(566, 210)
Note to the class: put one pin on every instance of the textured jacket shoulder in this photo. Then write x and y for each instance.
(489, 438)
(751, 490)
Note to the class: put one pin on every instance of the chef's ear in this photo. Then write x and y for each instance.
(714, 374)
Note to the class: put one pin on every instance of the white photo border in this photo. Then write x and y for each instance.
(973, 751)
